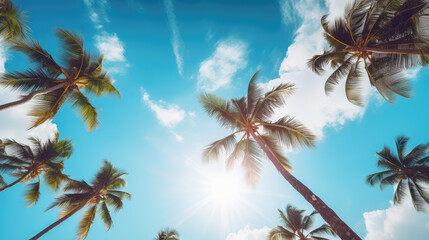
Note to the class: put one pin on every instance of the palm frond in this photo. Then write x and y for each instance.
(290, 132)
(272, 100)
(308, 220)
(114, 201)
(105, 216)
(223, 111)
(72, 50)
(213, 151)
(39, 56)
(86, 222)
(237, 154)
(2, 182)
(418, 201)
(401, 143)
(28, 80)
(88, 113)
(280, 233)
(12, 23)
(120, 194)
(378, 177)
(354, 86)
(274, 146)
(254, 93)
(325, 229)
(100, 86)
(48, 105)
(342, 71)
(251, 161)
(32, 194)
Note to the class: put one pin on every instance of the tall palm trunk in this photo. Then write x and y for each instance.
(50, 227)
(14, 183)
(330, 217)
(30, 96)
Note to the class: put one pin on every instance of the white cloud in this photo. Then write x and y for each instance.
(175, 41)
(249, 234)
(178, 137)
(110, 46)
(309, 104)
(107, 43)
(217, 71)
(397, 223)
(169, 115)
(99, 16)
(287, 10)
(14, 122)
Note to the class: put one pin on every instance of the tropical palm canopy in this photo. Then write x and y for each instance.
(251, 117)
(52, 84)
(12, 24)
(97, 196)
(31, 163)
(408, 171)
(298, 227)
(382, 37)
(167, 234)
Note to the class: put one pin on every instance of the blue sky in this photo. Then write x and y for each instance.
(162, 54)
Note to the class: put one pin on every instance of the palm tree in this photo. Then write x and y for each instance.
(12, 24)
(101, 193)
(167, 234)
(30, 164)
(384, 37)
(297, 226)
(251, 117)
(405, 170)
(51, 84)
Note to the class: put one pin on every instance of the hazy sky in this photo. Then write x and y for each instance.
(162, 54)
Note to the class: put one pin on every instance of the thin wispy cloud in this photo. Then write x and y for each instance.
(175, 39)
(218, 70)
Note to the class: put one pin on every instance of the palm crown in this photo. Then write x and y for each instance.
(52, 84)
(383, 37)
(405, 170)
(29, 164)
(252, 115)
(167, 234)
(12, 25)
(101, 193)
(297, 226)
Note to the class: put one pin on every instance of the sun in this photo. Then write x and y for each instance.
(224, 190)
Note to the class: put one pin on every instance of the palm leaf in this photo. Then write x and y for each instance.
(88, 113)
(105, 216)
(290, 132)
(213, 151)
(32, 194)
(251, 161)
(223, 111)
(86, 222)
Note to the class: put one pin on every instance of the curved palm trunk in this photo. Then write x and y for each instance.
(50, 227)
(341, 228)
(30, 96)
(14, 183)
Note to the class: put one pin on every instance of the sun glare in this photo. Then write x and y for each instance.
(224, 190)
